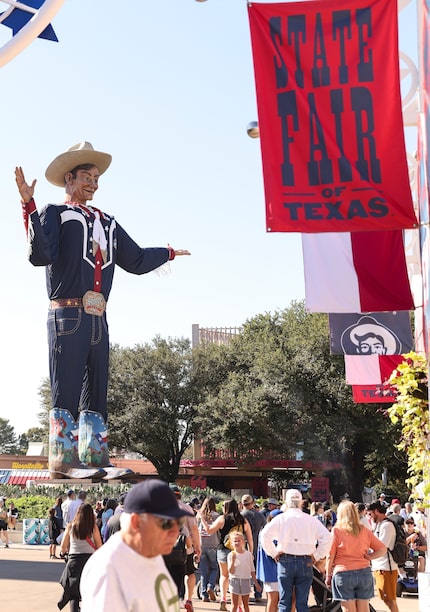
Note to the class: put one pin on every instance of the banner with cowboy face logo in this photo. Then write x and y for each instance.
(375, 333)
(330, 117)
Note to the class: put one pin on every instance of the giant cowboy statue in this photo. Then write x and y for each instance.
(79, 245)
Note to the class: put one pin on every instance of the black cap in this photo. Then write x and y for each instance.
(154, 497)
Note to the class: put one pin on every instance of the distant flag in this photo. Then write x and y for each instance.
(373, 394)
(370, 369)
(356, 272)
(16, 18)
(383, 333)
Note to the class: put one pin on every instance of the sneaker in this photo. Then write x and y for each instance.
(211, 594)
(189, 606)
(6, 545)
(206, 599)
(223, 606)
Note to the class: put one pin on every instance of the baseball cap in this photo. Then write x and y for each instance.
(154, 497)
(293, 494)
(395, 501)
(70, 492)
(247, 499)
(275, 512)
(273, 501)
(176, 490)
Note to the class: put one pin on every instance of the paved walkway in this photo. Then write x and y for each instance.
(29, 583)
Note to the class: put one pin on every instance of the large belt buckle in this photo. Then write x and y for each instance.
(94, 303)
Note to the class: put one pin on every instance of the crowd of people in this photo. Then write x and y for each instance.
(242, 551)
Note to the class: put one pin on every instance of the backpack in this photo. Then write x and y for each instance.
(227, 541)
(178, 556)
(400, 550)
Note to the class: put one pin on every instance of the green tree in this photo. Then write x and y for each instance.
(45, 406)
(150, 402)
(283, 388)
(411, 412)
(8, 438)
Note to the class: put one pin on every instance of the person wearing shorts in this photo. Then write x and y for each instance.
(241, 571)
(267, 572)
(385, 569)
(3, 522)
(348, 571)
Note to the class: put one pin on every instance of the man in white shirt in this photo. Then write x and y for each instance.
(128, 572)
(74, 505)
(301, 540)
(384, 568)
(71, 496)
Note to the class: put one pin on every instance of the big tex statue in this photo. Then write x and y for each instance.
(80, 245)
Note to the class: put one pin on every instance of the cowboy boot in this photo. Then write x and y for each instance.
(93, 446)
(63, 443)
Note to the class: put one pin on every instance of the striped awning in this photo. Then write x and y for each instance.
(20, 477)
(4, 476)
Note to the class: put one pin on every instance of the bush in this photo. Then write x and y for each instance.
(33, 506)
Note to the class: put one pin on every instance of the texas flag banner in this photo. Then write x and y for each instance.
(373, 394)
(370, 369)
(380, 333)
(357, 272)
(330, 117)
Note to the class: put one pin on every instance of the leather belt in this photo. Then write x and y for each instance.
(67, 303)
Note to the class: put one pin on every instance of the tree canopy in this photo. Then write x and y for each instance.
(274, 389)
(8, 439)
(150, 401)
(283, 388)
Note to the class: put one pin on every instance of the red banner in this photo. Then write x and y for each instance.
(330, 117)
(320, 489)
(373, 394)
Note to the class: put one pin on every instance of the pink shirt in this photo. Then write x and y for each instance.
(349, 550)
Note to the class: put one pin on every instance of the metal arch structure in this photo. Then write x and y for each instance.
(40, 19)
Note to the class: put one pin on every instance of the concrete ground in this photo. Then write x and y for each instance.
(29, 582)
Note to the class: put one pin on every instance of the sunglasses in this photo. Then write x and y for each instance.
(166, 524)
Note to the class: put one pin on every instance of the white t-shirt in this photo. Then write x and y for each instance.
(243, 565)
(386, 532)
(72, 510)
(117, 579)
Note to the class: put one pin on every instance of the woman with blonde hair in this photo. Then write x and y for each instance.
(348, 570)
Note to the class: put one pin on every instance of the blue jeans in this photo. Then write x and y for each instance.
(296, 573)
(208, 569)
(78, 360)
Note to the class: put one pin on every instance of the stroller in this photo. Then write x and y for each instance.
(323, 596)
(408, 577)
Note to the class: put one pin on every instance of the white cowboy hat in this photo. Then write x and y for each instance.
(81, 153)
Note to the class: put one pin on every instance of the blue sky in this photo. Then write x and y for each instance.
(167, 88)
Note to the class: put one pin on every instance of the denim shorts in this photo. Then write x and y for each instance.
(353, 584)
(222, 554)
